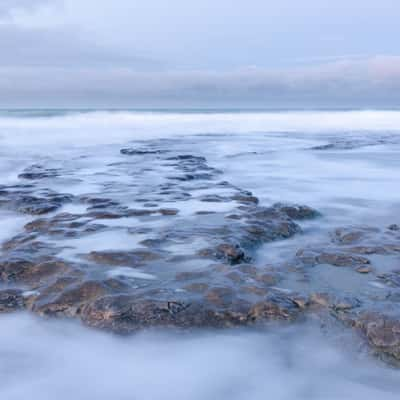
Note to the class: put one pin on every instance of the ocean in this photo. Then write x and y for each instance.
(137, 202)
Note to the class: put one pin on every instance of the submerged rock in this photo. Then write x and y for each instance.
(382, 333)
(125, 258)
(297, 211)
(11, 300)
(36, 172)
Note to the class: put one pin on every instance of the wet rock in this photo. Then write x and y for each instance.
(274, 307)
(220, 296)
(248, 269)
(394, 227)
(364, 270)
(63, 225)
(123, 258)
(245, 199)
(341, 260)
(235, 277)
(320, 299)
(255, 290)
(337, 259)
(368, 250)
(300, 302)
(139, 212)
(297, 211)
(188, 158)
(36, 172)
(70, 301)
(267, 279)
(353, 143)
(197, 287)
(353, 234)
(191, 275)
(125, 314)
(153, 243)
(234, 216)
(140, 152)
(18, 241)
(168, 211)
(191, 177)
(391, 278)
(30, 271)
(104, 214)
(268, 224)
(345, 304)
(381, 332)
(98, 203)
(40, 205)
(346, 236)
(205, 212)
(232, 253)
(11, 300)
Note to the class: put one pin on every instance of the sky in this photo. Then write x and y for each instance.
(208, 53)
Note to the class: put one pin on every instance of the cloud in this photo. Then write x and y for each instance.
(56, 47)
(94, 53)
(9, 6)
(369, 82)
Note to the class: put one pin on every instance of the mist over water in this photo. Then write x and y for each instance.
(269, 154)
(47, 360)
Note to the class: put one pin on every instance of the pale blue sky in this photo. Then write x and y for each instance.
(186, 52)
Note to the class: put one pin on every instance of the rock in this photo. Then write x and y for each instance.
(220, 296)
(140, 152)
(123, 258)
(28, 271)
(36, 172)
(341, 259)
(364, 270)
(11, 300)
(232, 253)
(197, 287)
(297, 211)
(255, 290)
(320, 299)
(274, 307)
(345, 305)
(300, 302)
(18, 241)
(391, 278)
(36, 205)
(394, 227)
(348, 235)
(245, 199)
(381, 332)
(337, 259)
(168, 211)
(70, 301)
(368, 250)
(248, 269)
(190, 275)
(271, 224)
(213, 198)
(236, 277)
(267, 279)
(125, 314)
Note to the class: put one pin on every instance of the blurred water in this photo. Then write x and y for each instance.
(270, 154)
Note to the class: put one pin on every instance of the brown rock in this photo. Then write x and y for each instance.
(220, 296)
(124, 258)
(69, 302)
(11, 300)
(232, 253)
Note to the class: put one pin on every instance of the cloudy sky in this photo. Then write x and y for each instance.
(199, 53)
